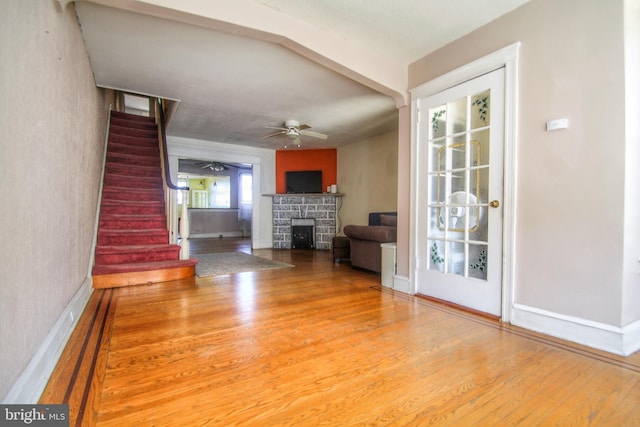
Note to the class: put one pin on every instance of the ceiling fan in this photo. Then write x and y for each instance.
(293, 130)
(214, 166)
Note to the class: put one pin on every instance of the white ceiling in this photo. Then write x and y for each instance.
(405, 30)
(234, 78)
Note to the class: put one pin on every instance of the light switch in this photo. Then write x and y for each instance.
(557, 124)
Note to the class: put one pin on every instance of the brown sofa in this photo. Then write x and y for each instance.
(365, 240)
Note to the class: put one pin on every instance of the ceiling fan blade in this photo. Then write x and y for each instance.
(313, 134)
(282, 132)
(303, 127)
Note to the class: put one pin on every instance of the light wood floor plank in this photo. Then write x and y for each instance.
(324, 344)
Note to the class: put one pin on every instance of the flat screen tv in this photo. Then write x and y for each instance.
(303, 182)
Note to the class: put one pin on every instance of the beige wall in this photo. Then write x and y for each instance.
(631, 290)
(368, 176)
(570, 183)
(53, 122)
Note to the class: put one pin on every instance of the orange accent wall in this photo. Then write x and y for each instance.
(325, 160)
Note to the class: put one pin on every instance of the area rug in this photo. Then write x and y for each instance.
(234, 262)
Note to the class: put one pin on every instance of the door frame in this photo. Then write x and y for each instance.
(508, 58)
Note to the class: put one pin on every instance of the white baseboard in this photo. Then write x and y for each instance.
(217, 234)
(401, 284)
(618, 340)
(33, 380)
(267, 244)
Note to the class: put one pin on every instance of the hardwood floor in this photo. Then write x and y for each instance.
(322, 344)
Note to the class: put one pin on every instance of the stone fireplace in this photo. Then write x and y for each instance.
(292, 209)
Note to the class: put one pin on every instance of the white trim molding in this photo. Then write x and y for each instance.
(263, 166)
(618, 340)
(33, 380)
(401, 284)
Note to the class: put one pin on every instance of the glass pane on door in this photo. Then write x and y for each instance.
(458, 186)
(478, 261)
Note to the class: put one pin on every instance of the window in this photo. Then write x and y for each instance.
(246, 188)
(220, 192)
(182, 183)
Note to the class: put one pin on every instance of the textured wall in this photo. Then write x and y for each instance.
(368, 176)
(570, 183)
(52, 130)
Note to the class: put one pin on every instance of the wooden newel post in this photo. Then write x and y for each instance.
(184, 227)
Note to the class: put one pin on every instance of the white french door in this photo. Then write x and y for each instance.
(460, 139)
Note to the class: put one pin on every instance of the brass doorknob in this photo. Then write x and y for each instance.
(494, 203)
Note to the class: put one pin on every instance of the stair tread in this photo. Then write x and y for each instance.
(119, 127)
(113, 187)
(117, 165)
(109, 249)
(134, 141)
(133, 202)
(123, 174)
(129, 122)
(142, 231)
(150, 184)
(133, 149)
(131, 156)
(133, 216)
(133, 117)
(124, 141)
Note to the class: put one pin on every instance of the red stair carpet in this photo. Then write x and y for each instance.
(133, 241)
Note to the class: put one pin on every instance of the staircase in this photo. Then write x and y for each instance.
(133, 241)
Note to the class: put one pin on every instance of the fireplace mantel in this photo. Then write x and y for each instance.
(304, 194)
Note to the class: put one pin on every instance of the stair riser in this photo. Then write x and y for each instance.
(133, 161)
(132, 210)
(117, 130)
(126, 123)
(137, 257)
(132, 117)
(107, 240)
(140, 183)
(108, 278)
(134, 141)
(149, 196)
(134, 150)
(132, 224)
(126, 170)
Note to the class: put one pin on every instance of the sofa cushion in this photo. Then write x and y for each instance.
(388, 220)
(379, 233)
(374, 217)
